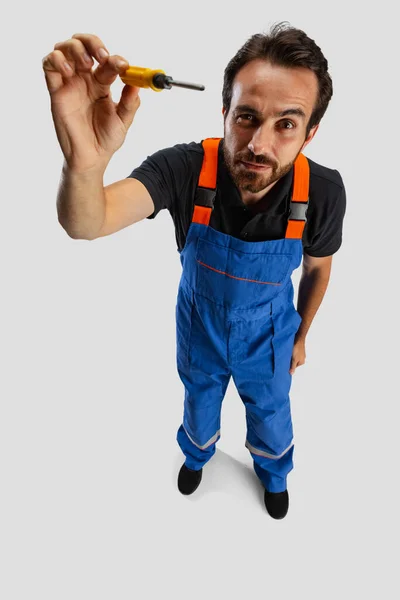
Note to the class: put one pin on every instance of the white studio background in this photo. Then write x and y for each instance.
(90, 395)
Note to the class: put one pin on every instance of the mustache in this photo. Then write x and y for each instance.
(258, 160)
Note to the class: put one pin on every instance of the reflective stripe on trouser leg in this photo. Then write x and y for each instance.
(196, 457)
(264, 454)
(210, 442)
(273, 472)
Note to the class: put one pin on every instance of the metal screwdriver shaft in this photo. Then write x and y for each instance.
(189, 86)
(165, 82)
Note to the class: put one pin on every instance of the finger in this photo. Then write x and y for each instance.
(55, 67)
(76, 53)
(299, 363)
(128, 104)
(93, 45)
(293, 366)
(106, 73)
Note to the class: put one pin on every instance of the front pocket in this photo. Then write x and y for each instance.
(239, 279)
(251, 349)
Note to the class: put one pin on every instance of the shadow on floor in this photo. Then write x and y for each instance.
(225, 474)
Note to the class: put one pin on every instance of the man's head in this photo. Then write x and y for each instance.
(276, 90)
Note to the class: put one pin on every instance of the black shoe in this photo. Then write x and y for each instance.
(188, 480)
(277, 504)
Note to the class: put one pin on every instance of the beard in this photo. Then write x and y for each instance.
(252, 181)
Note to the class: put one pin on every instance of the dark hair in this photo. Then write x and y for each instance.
(287, 47)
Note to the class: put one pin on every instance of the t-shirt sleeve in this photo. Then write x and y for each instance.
(326, 221)
(162, 174)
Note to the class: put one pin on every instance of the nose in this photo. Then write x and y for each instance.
(261, 142)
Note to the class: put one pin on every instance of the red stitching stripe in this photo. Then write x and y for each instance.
(233, 276)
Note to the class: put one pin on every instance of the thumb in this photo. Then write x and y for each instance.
(128, 104)
(293, 364)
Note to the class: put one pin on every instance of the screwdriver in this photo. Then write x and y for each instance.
(156, 79)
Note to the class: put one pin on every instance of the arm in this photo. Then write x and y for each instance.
(88, 210)
(313, 284)
(127, 201)
(81, 202)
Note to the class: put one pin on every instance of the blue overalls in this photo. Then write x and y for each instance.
(235, 317)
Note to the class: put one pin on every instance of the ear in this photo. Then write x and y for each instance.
(310, 136)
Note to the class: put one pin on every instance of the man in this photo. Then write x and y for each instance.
(247, 208)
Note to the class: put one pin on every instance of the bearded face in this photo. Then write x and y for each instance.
(266, 125)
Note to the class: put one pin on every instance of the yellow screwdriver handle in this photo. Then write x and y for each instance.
(141, 77)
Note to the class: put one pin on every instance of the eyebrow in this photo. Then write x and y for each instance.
(289, 111)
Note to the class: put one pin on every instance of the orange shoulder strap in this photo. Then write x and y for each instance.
(206, 189)
(299, 203)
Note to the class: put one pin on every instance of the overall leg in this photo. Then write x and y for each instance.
(205, 375)
(262, 352)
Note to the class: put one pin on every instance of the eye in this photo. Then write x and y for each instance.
(288, 122)
(247, 118)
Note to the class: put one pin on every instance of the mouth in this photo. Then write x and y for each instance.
(255, 167)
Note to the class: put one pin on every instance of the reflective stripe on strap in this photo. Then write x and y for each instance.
(210, 441)
(266, 454)
(297, 218)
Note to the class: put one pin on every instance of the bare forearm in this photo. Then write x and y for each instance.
(312, 290)
(81, 202)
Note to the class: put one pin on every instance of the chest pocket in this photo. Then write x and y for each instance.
(237, 278)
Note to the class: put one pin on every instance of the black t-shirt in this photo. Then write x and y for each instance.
(171, 177)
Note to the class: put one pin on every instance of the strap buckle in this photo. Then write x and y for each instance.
(298, 211)
(205, 197)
